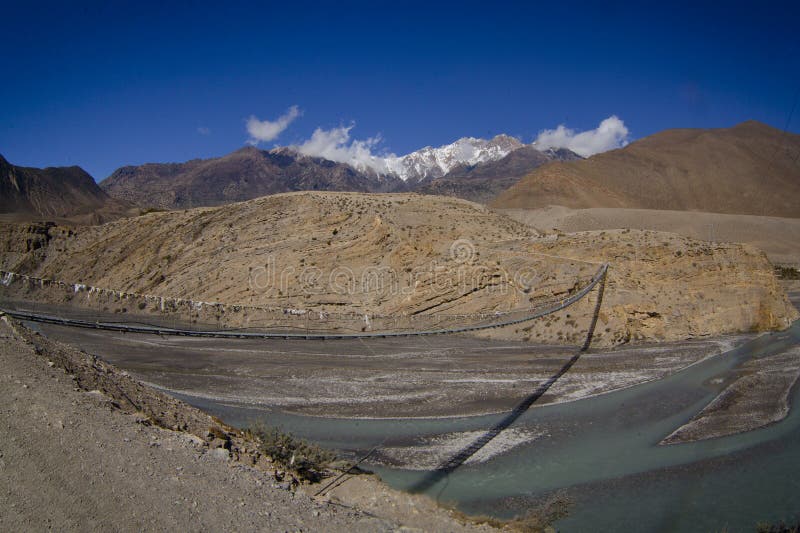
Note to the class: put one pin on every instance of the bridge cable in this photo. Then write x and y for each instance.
(448, 466)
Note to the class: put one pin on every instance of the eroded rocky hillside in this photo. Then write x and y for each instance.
(405, 254)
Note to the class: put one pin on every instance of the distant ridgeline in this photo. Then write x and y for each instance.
(473, 169)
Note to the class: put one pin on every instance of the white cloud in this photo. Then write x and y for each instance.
(267, 130)
(202, 130)
(335, 144)
(611, 133)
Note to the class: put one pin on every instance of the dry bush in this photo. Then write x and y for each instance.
(307, 459)
(779, 527)
(537, 520)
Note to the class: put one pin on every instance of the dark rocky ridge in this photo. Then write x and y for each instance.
(54, 194)
(242, 175)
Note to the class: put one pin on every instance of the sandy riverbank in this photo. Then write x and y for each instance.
(759, 396)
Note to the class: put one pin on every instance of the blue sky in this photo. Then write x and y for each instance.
(107, 84)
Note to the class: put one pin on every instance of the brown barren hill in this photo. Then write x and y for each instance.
(399, 256)
(221, 253)
(751, 169)
(54, 194)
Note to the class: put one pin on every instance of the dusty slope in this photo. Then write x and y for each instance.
(73, 460)
(747, 169)
(407, 255)
(281, 250)
(55, 194)
(778, 237)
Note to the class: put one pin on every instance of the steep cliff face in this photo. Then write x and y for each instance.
(416, 258)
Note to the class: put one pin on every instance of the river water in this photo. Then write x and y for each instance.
(604, 452)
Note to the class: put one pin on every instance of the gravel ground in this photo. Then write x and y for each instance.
(72, 459)
(417, 377)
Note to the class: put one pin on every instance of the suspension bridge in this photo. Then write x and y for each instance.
(498, 320)
(481, 321)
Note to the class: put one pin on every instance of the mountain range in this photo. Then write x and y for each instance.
(489, 166)
(750, 168)
(430, 163)
(242, 175)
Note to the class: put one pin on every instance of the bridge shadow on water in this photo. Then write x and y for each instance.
(448, 466)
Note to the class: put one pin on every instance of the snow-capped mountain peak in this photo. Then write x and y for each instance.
(432, 162)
